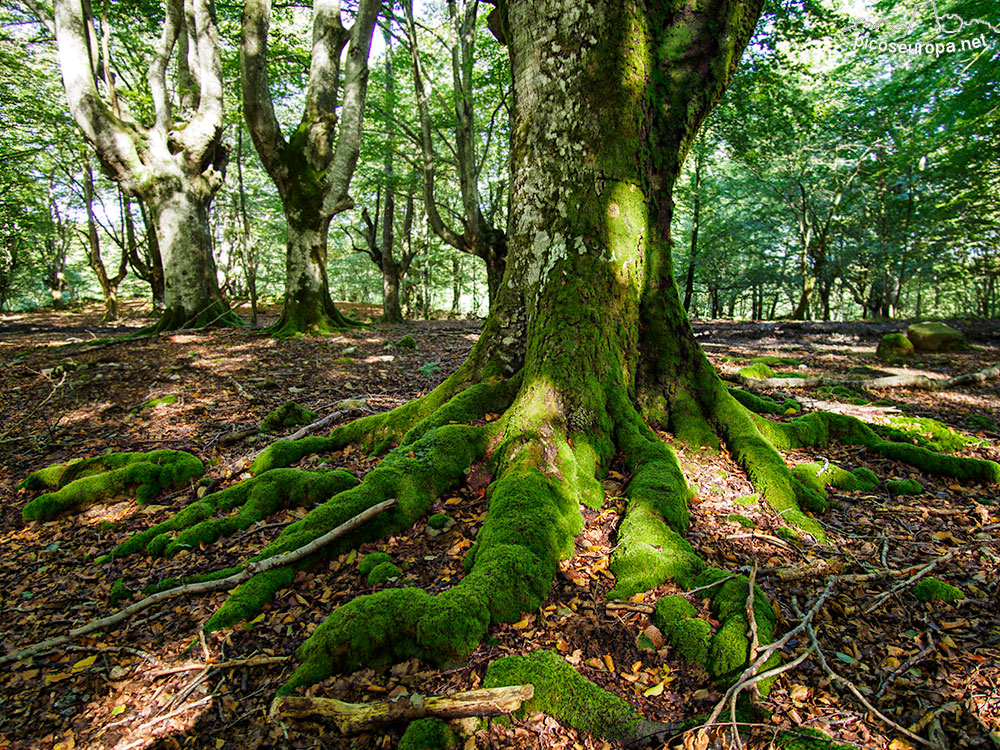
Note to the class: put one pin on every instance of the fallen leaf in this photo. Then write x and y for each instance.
(654, 691)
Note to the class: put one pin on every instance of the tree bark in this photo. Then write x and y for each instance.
(174, 166)
(311, 169)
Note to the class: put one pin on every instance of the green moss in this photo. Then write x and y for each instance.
(650, 548)
(564, 694)
(936, 337)
(119, 592)
(746, 523)
(762, 405)
(730, 647)
(788, 534)
(407, 342)
(415, 475)
(897, 487)
(670, 609)
(382, 573)
(344, 361)
(819, 476)
(153, 403)
(532, 521)
(691, 638)
(894, 347)
(287, 415)
(776, 361)
(684, 630)
(283, 453)
(747, 501)
(926, 432)
(808, 739)
(438, 520)
(758, 371)
(256, 499)
(111, 475)
(751, 440)
(933, 590)
(371, 561)
(957, 467)
(428, 734)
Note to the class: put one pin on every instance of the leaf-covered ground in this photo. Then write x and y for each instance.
(152, 683)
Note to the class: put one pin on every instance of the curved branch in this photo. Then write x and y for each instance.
(257, 106)
(426, 141)
(158, 68)
(113, 144)
(345, 157)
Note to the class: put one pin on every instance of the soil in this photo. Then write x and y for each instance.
(153, 683)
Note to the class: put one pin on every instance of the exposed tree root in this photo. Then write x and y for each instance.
(545, 467)
(920, 382)
(318, 318)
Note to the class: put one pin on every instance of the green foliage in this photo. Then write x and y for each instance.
(564, 694)
(427, 734)
(287, 415)
(933, 590)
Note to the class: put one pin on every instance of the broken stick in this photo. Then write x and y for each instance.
(354, 718)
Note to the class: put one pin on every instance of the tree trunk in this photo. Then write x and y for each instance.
(190, 288)
(174, 166)
(308, 306)
(311, 169)
(456, 287)
(109, 285)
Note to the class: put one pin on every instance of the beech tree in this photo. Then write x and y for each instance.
(312, 168)
(175, 161)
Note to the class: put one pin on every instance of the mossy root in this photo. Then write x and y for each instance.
(532, 521)
(81, 483)
(415, 474)
(256, 499)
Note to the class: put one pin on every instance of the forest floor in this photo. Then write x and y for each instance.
(151, 684)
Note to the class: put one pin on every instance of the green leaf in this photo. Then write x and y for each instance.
(845, 658)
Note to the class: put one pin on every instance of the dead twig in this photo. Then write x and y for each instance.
(881, 598)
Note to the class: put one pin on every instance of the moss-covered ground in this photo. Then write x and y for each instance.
(574, 620)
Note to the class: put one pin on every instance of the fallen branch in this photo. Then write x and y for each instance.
(354, 718)
(252, 569)
(858, 694)
(349, 407)
(750, 677)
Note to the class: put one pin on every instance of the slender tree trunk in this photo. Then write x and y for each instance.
(109, 285)
(456, 286)
(248, 253)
